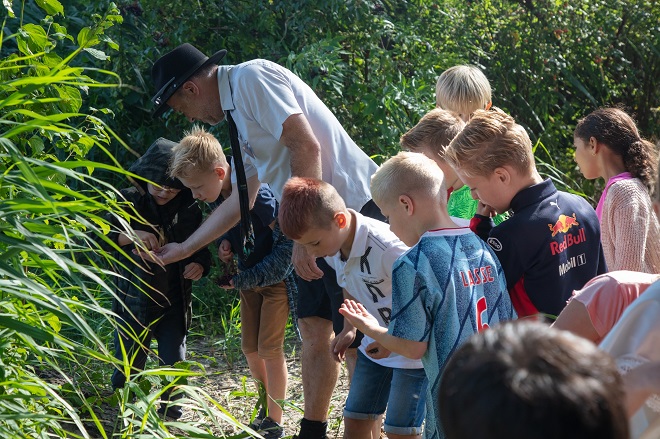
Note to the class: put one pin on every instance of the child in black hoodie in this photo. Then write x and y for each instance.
(155, 301)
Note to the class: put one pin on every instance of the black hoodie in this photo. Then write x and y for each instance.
(173, 222)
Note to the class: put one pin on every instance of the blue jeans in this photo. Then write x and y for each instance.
(375, 388)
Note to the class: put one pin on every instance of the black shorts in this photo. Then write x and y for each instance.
(323, 297)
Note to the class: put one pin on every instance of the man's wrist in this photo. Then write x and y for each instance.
(187, 250)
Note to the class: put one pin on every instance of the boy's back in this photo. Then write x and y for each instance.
(444, 289)
(548, 248)
(551, 244)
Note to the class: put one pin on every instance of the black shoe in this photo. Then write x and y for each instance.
(172, 413)
(256, 423)
(270, 429)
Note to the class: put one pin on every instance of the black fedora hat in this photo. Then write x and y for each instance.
(174, 68)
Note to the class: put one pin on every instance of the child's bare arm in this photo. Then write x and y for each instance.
(345, 338)
(639, 384)
(365, 322)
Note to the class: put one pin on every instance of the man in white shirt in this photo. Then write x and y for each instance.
(284, 130)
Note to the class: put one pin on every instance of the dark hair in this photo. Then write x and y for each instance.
(523, 379)
(615, 129)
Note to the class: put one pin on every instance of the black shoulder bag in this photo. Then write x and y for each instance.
(247, 233)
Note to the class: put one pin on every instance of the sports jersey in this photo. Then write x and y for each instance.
(367, 276)
(548, 248)
(262, 95)
(444, 289)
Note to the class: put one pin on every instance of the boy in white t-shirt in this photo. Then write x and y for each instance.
(362, 251)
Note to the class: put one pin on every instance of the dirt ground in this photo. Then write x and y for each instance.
(228, 384)
(227, 381)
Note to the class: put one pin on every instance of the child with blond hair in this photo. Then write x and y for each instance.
(550, 246)
(361, 250)
(431, 137)
(448, 286)
(265, 278)
(463, 89)
(608, 146)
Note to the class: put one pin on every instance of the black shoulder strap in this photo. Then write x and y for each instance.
(247, 235)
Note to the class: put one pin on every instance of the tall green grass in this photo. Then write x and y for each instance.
(55, 282)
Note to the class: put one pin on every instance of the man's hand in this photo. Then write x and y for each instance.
(193, 271)
(376, 351)
(304, 264)
(167, 254)
(358, 316)
(341, 342)
(224, 251)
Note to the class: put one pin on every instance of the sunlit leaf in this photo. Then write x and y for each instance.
(52, 7)
(23, 328)
(98, 54)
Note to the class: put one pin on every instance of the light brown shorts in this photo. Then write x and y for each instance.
(264, 313)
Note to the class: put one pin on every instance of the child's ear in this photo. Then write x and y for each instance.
(341, 220)
(488, 105)
(503, 175)
(594, 145)
(220, 172)
(405, 202)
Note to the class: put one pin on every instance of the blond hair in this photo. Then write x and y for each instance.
(435, 130)
(463, 89)
(198, 151)
(407, 173)
(492, 139)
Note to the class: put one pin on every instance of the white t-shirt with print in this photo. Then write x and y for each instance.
(367, 276)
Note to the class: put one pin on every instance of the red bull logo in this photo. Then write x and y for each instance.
(563, 224)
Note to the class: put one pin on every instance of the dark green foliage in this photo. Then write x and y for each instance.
(375, 63)
(74, 104)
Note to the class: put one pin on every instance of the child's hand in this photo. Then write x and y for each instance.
(485, 210)
(376, 351)
(341, 342)
(224, 251)
(226, 282)
(148, 240)
(193, 271)
(359, 317)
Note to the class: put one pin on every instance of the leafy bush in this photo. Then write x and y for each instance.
(375, 62)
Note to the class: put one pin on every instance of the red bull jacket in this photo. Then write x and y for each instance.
(549, 247)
